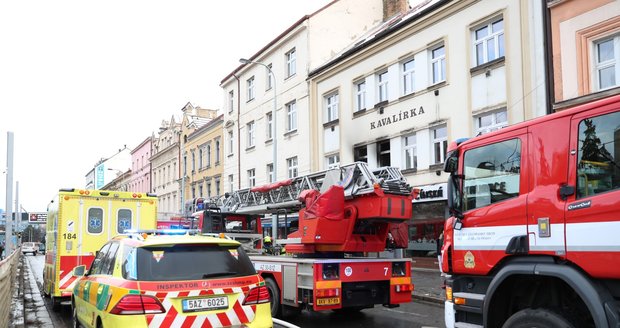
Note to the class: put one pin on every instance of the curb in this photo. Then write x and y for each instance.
(427, 299)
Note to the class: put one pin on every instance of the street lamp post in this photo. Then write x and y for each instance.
(274, 217)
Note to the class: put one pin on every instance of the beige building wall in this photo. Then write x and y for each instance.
(206, 164)
(498, 90)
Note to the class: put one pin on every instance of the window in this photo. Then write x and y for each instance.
(332, 161)
(193, 162)
(95, 267)
(607, 54)
(270, 173)
(492, 173)
(291, 164)
(123, 221)
(197, 261)
(408, 77)
(360, 95)
(209, 155)
(95, 220)
(411, 152)
(251, 178)
(200, 194)
(382, 85)
(438, 64)
(269, 77)
(209, 189)
(291, 116)
(360, 154)
(383, 153)
(217, 186)
(291, 63)
(489, 122)
(231, 143)
(107, 265)
(231, 100)
(231, 183)
(250, 88)
(217, 151)
(331, 107)
(440, 144)
(269, 126)
(250, 127)
(200, 158)
(599, 143)
(489, 42)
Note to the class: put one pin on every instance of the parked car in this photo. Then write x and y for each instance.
(30, 247)
(147, 280)
(42, 248)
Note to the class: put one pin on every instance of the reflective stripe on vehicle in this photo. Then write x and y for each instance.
(237, 314)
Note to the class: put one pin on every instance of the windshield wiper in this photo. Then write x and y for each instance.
(216, 274)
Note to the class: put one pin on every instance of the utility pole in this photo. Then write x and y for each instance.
(18, 213)
(9, 194)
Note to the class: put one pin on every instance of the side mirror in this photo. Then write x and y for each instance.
(79, 271)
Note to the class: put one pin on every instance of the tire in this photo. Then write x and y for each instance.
(55, 303)
(274, 297)
(539, 318)
(76, 322)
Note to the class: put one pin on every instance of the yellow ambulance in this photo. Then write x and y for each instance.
(79, 222)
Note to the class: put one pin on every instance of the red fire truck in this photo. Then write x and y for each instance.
(344, 215)
(533, 235)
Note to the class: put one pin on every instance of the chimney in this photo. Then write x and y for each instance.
(393, 7)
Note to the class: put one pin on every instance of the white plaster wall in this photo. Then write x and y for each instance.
(488, 91)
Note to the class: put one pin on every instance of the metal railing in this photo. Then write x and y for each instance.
(8, 274)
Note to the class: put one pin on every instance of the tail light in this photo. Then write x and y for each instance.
(138, 304)
(328, 292)
(403, 288)
(257, 295)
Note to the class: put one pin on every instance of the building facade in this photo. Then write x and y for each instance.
(141, 167)
(276, 77)
(194, 118)
(585, 38)
(165, 169)
(442, 71)
(206, 161)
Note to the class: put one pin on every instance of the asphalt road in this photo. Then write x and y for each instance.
(417, 314)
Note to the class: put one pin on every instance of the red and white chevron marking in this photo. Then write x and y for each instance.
(238, 314)
(66, 281)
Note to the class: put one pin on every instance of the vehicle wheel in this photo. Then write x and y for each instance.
(55, 303)
(76, 322)
(274, 297)
(540, 318)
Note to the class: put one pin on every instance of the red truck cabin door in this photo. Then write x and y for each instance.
(593, 210)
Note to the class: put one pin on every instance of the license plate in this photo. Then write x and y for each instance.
(205, 304)
(328, 301)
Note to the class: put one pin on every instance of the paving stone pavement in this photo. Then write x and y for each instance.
(28, 307)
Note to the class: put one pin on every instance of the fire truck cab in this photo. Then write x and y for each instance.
(533, 232)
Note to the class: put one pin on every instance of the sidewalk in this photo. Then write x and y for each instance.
(27, 307)
(427, 280)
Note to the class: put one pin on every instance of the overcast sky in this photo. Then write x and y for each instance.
(80, 79)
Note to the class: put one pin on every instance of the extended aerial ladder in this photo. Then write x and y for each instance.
(347, 209)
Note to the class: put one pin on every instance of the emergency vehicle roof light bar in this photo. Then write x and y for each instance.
(157, 232)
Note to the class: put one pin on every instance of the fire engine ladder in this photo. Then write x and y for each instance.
(282, 197)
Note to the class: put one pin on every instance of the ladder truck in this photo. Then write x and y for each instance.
(332, 261)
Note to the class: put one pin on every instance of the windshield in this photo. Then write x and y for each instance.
(186, 262)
